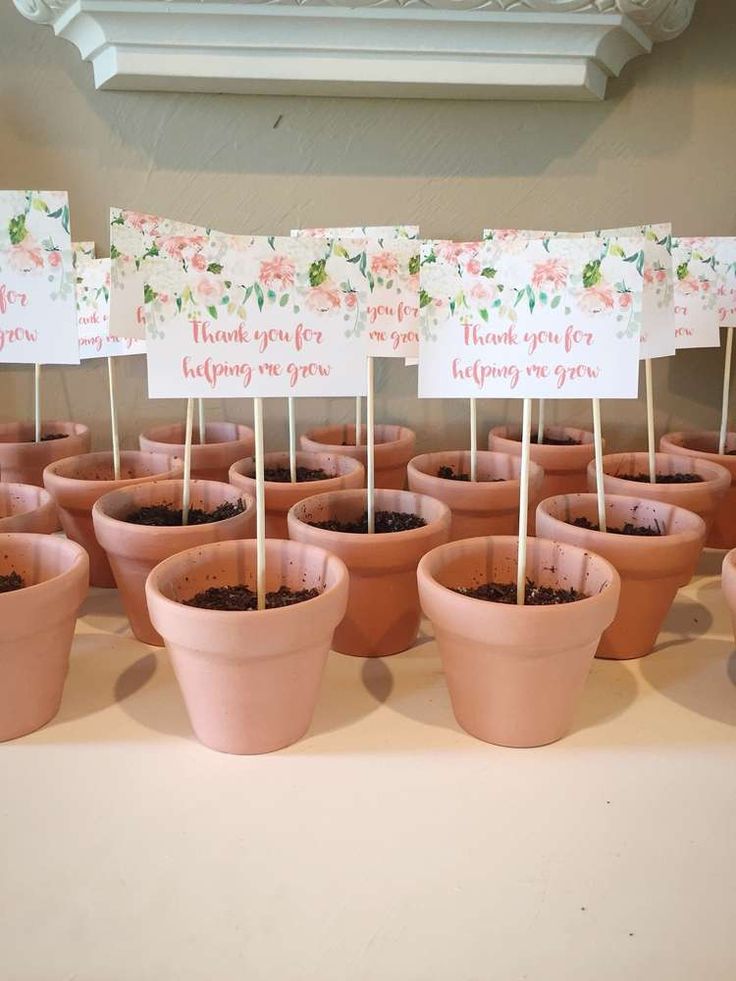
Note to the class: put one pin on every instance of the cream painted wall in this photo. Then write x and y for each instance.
(663, 145)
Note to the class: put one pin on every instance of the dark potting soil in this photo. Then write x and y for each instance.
(167, 516)
(11, 582)
(628, 529)
(49, 436)
(384, 522)
(448, 473)
(282, 475)
(552, 441)
(242, 598)
(663, 478)
(534, 595)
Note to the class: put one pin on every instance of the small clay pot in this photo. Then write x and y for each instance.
(37, 627)
(77, 482)
(564, 466)
(652, 569)
(394, 447)
(345, 473)
(703, 498)
(515, 673)
(27, 508)
(383, 607)
(133, 550)
(704, 446)
(226, 443)
(483, 507)
(728, 584)
(250, 680)
(22, 461)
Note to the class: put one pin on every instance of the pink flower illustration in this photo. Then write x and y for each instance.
(199, 262)
(648, 276)
(26, 256)
(705, 285)
(451, 251)
(209, 290)
(54, 258)
(624, 300)
(481, 290)
(689, 285)
(552, 273)
(473, 267)
(139, 222)
(279, 270)
(323, 298)
(384, 264)
(412, 283)
(596, 299)
(661, 275)
(351, 300)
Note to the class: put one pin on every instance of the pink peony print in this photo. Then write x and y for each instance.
(481, 291)
(384, 264)
(473, 267)
(596, 299)
(660, 275)
(451, 251)
(27, 256)
(54, 259)
(552, 273)
(209, 290)
(351, 301)
(624, 300)
(278, 271)
(199, 262)
(323, 298)
(689, 285)
(648, 276)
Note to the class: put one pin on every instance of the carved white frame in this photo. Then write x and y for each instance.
(518, 49)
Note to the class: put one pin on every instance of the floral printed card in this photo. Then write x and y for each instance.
(697, 311)
(531, 318)
(726, 259)
(658, 334)
(93, 313)
(38, 317)
(392, 271)
(257, 316)
(83, 250)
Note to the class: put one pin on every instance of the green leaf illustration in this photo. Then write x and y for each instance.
(212, 311)
(424, 299)
(592, 273)
(114, 252)
(414, 265)
(284, 300)
(17, 229)
(259, 294)
(214, 267)
(484, 314)
(488, 272)
(555, 302)
(317, 274)
(149, 294)
(682, 270)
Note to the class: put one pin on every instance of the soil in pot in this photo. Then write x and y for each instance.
(49, 436)
(10, 582)
(663, 478)
(385, 522)
(282, 475)
(449, 473)
(534, 594)
(629, 528)
(168, 516)
(242, 598)
(555, 441)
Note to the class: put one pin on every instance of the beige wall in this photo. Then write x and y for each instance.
(662, 146)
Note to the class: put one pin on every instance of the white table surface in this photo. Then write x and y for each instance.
(387, 844)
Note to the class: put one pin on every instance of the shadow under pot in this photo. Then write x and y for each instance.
(134, 549)
(487, 506)
(340, 472)
(728, 585)
(38, 619)
(652, 567)
(249, 679)
(383, 612)
(515, 673)
(22, 461)
(394, 447)
(564, 460)
(76, 483)
(27, 508)
(226, 442)
(696, 485)
(704, 446)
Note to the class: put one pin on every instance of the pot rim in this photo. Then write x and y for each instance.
(535, 469)
(245, 434)
(45, 499)
(680, 438)
(716, 472)
(175, 466)
(239, 466)
(406, 436)
(79, 429)
(78, 556)
(506, 431)
(188, 613)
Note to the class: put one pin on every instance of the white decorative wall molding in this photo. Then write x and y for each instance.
(477, 49)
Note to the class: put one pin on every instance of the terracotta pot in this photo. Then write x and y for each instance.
(37, 627)
(76, 483)
(22, 461)
(383, 607)
(703, 498)
(515, 673)
(564, 466)
(25, 507)
(133, 550)
(728, 584)
(226, 443)
(652, 569)
(394, 448)
(249, 680)
(346, 472)
(704, 446)
(483, 507)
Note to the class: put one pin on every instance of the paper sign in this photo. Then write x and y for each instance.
(697, 314)
(530, 318)
(726, 259)
(264, 317)
(83, 250)
(655, 261)
(392, 271)
(93, 313)
(38, 317)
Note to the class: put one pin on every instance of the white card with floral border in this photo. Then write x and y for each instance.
(93, 313)
(697, 279)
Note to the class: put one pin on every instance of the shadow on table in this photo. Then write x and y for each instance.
(701, 677)
(147, 691)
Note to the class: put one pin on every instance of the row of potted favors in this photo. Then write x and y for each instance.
(250, 678)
